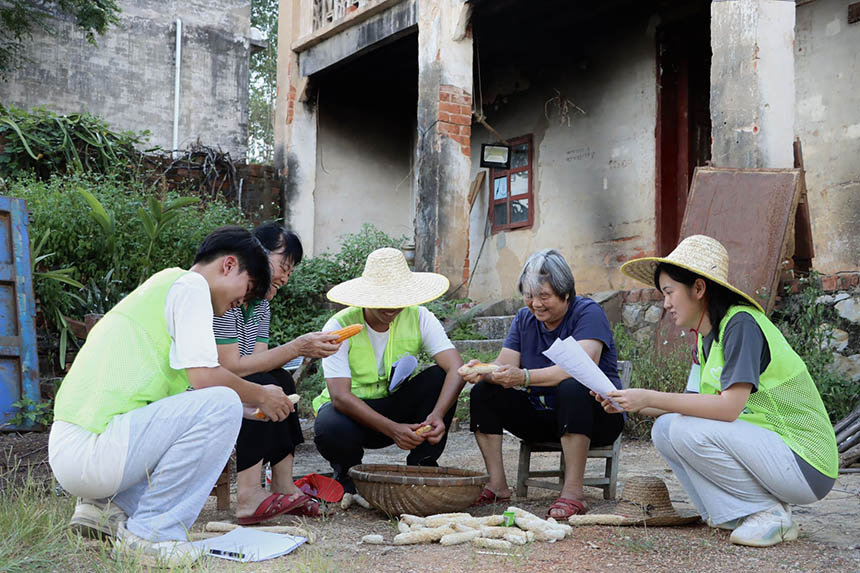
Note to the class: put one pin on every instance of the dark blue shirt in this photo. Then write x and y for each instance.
(584, 319)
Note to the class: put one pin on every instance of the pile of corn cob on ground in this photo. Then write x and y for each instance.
(338, 543)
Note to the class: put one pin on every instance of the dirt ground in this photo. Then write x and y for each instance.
(829, 538)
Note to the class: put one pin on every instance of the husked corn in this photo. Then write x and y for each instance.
(402, 527)
(465, 527)
(519, 537)
(492, 520)
(446, 518)
(410, 519)
(491, 543)
(224, 527)
(357, 498)
(491, 532)
(425, 535)
(373, 539)
(460, 537)
(346, 501)
(596, 519)
(523, 513)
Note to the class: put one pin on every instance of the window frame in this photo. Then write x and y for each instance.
(497, 173)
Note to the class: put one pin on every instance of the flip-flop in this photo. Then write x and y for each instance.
(305, 505)
(488, 497)
(568, 506)
(270, 507)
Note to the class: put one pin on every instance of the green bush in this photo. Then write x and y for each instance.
(76, 240)
(662, 372)
(300, 306)
(806, 326)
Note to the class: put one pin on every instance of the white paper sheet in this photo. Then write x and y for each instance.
(246, 544)
(572, 358)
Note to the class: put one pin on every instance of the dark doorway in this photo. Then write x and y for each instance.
(683, 117)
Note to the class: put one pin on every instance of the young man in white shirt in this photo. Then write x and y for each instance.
(140, 451)
(360, 408)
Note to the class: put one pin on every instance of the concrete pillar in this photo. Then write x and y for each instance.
(295, 127)
(752, 83)
(443, 152)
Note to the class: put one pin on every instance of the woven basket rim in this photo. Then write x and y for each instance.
(448, 477)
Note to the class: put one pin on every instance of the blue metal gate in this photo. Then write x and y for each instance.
(19, 366)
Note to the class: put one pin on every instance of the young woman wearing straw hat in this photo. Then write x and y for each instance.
(359, 407)
(751, 434)
(533, 398)
(242, 336)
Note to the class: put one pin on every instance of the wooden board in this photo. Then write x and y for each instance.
(752, 213)
(19, 364)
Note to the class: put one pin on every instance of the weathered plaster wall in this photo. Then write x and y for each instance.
(129, 78)
(827, 69)
(593, 181)
(362, 176)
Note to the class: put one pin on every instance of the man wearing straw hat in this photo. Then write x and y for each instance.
(362, 406)
(752, 434)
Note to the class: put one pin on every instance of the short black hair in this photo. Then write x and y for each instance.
(273, 236)
(252, 256)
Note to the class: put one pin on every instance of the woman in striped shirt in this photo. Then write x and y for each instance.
(242, 335)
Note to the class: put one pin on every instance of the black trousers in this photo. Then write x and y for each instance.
(342, 441)
(268, 441)
(493, 408)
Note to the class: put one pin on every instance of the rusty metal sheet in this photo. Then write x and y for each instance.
(752, 213)
(19, 374)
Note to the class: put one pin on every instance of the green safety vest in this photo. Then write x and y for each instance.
(404, 337)
(786, 402)
(125, 362)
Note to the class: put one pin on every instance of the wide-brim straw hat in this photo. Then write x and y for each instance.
(644, 501)
(387, 282)
(700, 254)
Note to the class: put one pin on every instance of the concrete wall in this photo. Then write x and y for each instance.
(363, 167)
(593, 181)
(827, 121)
(129, 78)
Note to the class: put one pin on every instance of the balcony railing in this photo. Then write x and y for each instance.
(328, 11)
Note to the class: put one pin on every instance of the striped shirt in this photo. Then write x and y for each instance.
(244, 325)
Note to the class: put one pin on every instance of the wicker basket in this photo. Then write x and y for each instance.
(418, 490)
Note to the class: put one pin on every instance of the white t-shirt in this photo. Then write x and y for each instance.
(188, 311)
(433, 341)
(92, 464)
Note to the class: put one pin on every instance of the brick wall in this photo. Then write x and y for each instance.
(455, 116)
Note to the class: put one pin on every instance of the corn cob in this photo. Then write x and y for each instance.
(423, 429)
(519, 537)
(491, 543)
(373, 539)
(294, 398)
(346, 332)
(459, 537)
(479, 368)
(422, 536)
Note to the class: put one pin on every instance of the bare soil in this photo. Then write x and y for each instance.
(829, 538)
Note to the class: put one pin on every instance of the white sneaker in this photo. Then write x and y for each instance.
(766, 528)
(728, 525)
(96, 519)
(165, 554)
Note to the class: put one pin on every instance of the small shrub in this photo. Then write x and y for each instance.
(806, 326)
(665, 372)
(31, 412)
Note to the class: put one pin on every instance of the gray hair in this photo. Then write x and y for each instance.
(547, 267)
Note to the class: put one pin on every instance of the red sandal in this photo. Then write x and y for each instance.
(488, 497)
(274, 505)
(568, 506)
(305, 505)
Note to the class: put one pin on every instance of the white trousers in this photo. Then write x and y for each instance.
(730, 469)
(177, 447)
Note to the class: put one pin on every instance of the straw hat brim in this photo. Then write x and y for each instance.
(643, 269)
(417, 288)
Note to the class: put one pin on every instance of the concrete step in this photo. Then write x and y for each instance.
(493, 326)
(493, 345)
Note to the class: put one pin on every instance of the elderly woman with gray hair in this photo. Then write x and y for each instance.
(533, 398)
